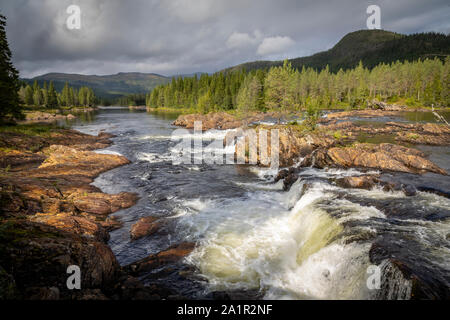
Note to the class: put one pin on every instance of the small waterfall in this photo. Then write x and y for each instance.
(394, 286)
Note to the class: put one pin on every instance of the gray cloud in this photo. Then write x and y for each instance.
(184, 36)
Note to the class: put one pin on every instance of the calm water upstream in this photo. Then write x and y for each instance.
(312, 242)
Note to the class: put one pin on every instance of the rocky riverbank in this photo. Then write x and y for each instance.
(337, 143)
(52, 217)
(221, 120)
(56, 115)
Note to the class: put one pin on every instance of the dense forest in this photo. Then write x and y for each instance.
(48, 97)
(372, 47)
(419, 83)
(137, 99)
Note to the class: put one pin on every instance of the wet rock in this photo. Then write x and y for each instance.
(409, 190)
(111, 223)
(379, 105)
(16, 160)
(90, 295)
(383, 156)
(8, 288)
(170, 256)
(360, 182)
(75, 224)
(413, 133)
(66, 160)
(52, 217)
(50, 251)
(416, 281)
(293, 144)
(281, 175)
(235, 295)
(39, 116)
(103, 204)
(289, 177)
(217, 120)
(289, 181)
(367, 113)
(421, 138)
(145, 227)
(132, 288)
(42, 293)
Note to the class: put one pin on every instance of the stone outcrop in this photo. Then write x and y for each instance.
(379, 105)
(51, 216)
(37, 255)
(47, 117)
(145, 227)
(171, 255)
(383, 156)
(358, 182)
(293, 144)
(39, 116)
(366, 113)
(429, 133)
(220, 120)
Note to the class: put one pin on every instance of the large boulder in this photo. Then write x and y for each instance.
(171, 255)
(38, 255)
(359, 182)
(293, 143)
(71, 223)
(145, 227)
(384, 156)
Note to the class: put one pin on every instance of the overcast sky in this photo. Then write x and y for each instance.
(184, 36)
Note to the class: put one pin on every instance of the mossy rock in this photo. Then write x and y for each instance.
(8, 290)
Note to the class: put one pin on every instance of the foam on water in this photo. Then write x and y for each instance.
(105, 151)
(286, 253)
(153, 157)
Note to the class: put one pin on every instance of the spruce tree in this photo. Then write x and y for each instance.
(52, 97)
(10, 106)
(28, 95)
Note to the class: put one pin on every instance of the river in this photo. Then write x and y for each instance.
(312, 242)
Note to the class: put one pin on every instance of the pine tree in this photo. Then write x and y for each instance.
(45, 94)
(445, 79)
(29, 95)
(280, 89)
(65, 95)
(82, 97)
(71, 97)
(38, 98)
(52, 97)
(10, 105)
(249, 96)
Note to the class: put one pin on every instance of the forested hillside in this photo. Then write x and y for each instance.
(105, 87)
(286, 88)
(372, 47)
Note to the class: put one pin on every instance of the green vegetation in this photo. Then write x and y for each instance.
(107, 88)
(286, 90)
(372, 47)
(134, 100)
(48, 97)
(10, 107)
(42, 130)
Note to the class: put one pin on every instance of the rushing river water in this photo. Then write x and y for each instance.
(312, 242)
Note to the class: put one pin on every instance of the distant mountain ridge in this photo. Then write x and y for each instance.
(372, 47)
(107, 86)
